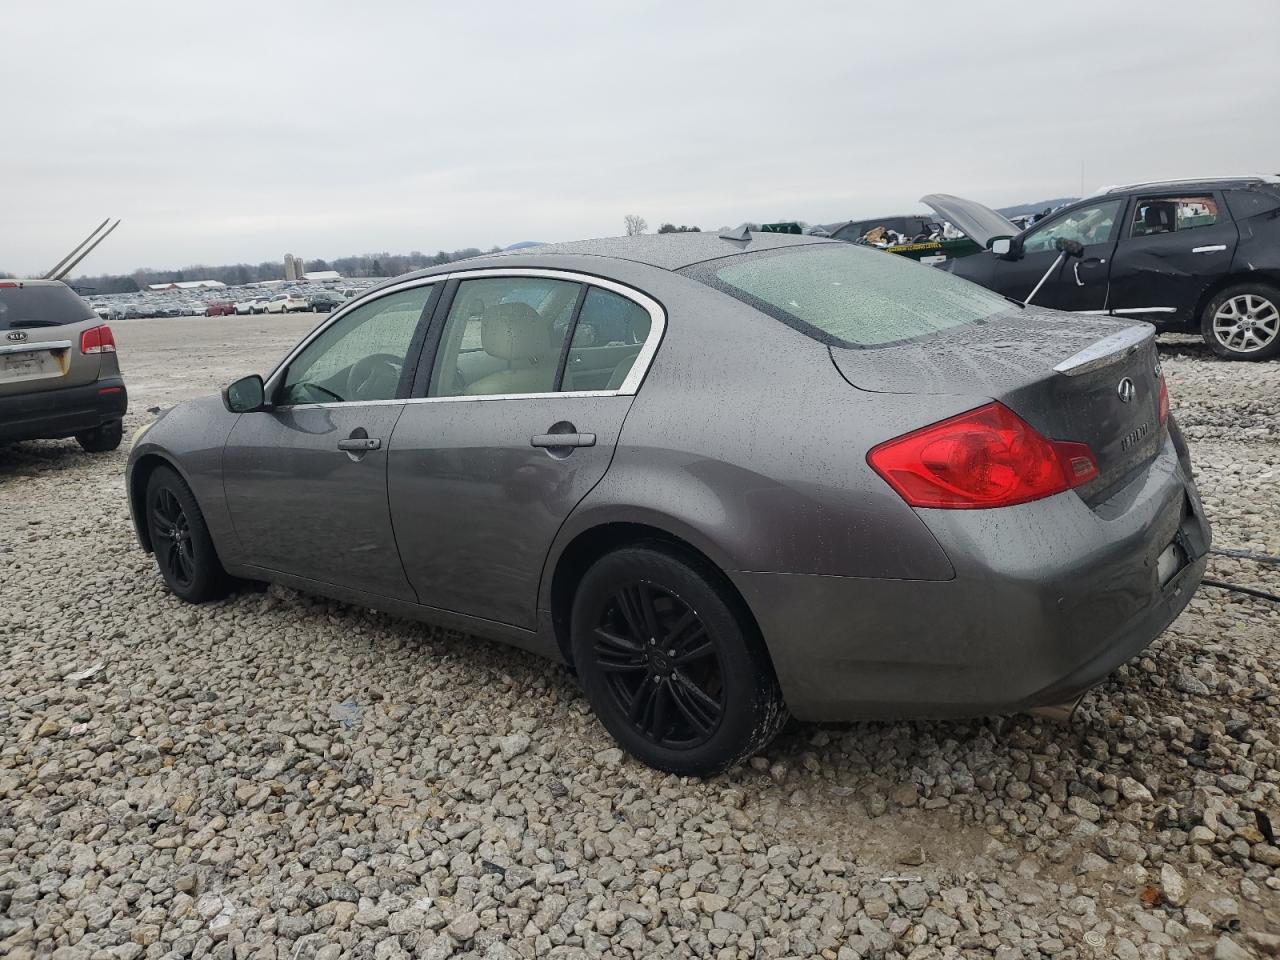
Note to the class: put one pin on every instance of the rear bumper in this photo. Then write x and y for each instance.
(54, 414)
(1045, 604)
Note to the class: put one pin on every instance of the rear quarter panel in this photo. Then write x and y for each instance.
(745, 441)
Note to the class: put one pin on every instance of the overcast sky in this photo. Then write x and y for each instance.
(227, 132)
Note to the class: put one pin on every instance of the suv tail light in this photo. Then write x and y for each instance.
(1163, 402)
(988, 457)
(97, 340)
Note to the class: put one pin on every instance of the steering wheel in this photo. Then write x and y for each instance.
(374, 377)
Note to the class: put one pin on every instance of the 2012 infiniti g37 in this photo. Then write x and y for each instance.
(724, 478)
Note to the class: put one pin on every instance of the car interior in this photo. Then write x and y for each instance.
(1172, 214)
(503, 336)
(506, 335)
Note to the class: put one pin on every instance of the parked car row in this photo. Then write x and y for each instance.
(293, 301)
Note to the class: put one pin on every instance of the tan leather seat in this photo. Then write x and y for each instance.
(517, 333)
(621, 370)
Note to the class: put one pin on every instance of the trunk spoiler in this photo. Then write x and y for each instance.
(1106, 351)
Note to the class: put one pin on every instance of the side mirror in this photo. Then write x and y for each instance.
(1007, 248)
(246, 395)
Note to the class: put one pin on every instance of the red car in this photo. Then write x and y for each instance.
(220, 308)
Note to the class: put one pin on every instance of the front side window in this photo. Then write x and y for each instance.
(504, 335)
(851, 296)
(1088, 225)
(361, 356)
(1155, 215)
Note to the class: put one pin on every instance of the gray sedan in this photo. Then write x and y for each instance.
(727, 478)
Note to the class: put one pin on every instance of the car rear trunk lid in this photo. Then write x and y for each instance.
(1092, 381)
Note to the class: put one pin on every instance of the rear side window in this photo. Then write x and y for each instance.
(40, 305)
(1154, 215)
(504, 335)
(606, 342)
(1252, 203)
(851, 296)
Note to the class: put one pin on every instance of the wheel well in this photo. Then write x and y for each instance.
(142, 471)
(1269, 277)
(590, 545)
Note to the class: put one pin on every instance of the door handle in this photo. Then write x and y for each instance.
(1212, 248)
(359, 444)
(1091, 261)
(563, 440)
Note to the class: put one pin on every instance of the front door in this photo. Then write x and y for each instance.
(306, 480)
(526, 398)
(1078, 284)
(1174, 247)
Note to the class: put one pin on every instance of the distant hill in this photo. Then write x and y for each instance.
(1025, 208)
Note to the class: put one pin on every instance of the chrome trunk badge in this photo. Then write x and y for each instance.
(1126, 390)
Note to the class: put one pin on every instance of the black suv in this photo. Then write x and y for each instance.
(59, 376)
(1194, 255)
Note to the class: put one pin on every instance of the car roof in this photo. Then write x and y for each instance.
(1205, 183)
(666, 251)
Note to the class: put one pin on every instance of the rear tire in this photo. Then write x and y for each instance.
(101, 439)
(180, 539)
(1243, 322)
(671, 663)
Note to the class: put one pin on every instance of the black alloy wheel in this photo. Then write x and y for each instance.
(171, 539)
(662, 668)
(180, 539)
(672, 661)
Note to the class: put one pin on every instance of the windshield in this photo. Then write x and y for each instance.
(40, 305)
(851, 296)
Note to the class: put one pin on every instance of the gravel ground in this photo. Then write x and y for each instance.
(282, 777)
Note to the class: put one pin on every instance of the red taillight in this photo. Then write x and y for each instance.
(8, 283)
(97, 340)
(988, 457)
(1164, 402)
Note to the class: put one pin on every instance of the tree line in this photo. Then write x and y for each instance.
(368, 265)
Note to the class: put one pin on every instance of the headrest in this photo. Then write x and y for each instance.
(1158, 215)
(515, 332)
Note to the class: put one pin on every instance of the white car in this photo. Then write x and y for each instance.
(253, 305)
(287, 303)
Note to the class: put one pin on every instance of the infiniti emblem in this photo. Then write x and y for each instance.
(17, 336)
(1126, 390)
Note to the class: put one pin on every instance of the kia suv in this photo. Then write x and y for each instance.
(59, 376)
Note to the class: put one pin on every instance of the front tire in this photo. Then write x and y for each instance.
(180, 539)
(1243, 322)
(671, 663)
(101, 439)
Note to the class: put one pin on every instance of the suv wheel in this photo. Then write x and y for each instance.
(671, 664)
(184, 551)
(1243, 322)
(101, 439)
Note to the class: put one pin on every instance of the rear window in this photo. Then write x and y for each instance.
(40, 305)
(851, 296)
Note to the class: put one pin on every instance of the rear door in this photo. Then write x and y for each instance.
(306, 480)
(533, 373)
(1173, 246)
